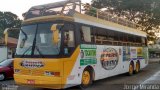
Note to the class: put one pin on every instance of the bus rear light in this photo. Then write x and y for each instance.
(57, 73)
(48, 73)
(17, 70)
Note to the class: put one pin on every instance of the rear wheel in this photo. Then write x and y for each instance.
(2, 76)
(86, 78)
(131, 69)
(137, 67)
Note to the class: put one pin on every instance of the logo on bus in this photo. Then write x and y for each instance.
(32, 64)
(109, 58)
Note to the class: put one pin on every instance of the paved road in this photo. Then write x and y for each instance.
(118, 82)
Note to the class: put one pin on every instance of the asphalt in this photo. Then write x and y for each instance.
(152, 83)
(147, 79)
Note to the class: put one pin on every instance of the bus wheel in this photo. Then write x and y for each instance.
(86, 78)
(137, 67)
(131, 69)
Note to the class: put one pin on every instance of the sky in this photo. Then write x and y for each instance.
(20, 6)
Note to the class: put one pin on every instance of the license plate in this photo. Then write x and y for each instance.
(31, 81)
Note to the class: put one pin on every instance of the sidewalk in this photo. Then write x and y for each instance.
(152, 83)
(155, 79)
(155, 60)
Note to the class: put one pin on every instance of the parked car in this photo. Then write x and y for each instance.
(6, 69)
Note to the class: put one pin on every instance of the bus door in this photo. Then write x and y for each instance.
(68, 49)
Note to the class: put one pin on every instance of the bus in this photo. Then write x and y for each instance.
(61, 46)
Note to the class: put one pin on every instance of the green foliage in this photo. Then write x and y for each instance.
(143, 12)
(91, 12)
(9, 20)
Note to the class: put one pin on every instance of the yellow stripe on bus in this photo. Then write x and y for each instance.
(69, 65)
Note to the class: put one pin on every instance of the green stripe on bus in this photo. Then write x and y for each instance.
(88, 47)
(88, 62)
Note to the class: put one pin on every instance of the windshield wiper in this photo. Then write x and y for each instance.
(35, 46)
(32, 51)
(26, 37)
(26, 51)
(39, 51)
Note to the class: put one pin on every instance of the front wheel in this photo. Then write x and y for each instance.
(2, 76)
(86, 78)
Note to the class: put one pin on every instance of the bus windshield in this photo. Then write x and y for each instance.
(37, 40)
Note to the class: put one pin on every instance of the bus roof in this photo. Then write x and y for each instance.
(50, 5)
(89, 20)
(47, 12)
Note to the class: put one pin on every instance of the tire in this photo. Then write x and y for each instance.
(137, 69)
(131, 69)
(2, 77)
(87, 78)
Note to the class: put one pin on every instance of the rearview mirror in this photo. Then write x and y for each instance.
(55, 33)
(55, 29)
(22, 43)
(6, 36)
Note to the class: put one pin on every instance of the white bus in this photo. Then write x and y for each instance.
(60, 46)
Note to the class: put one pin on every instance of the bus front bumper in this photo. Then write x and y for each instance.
(39, 81)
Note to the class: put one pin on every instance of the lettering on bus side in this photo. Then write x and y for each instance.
(133, 54)
(140, 53)
(88, 55)
(109, 58)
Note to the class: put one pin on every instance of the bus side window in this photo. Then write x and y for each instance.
(69, 39)
(146, 42)
(85, 34)
(66, 38)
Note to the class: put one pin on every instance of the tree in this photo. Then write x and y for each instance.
(9, 20)
(143, 12)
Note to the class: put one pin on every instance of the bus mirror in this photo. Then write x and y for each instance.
(54, 27)
(55, 33)
(22, 43)
(6, 35)
(56, 36)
